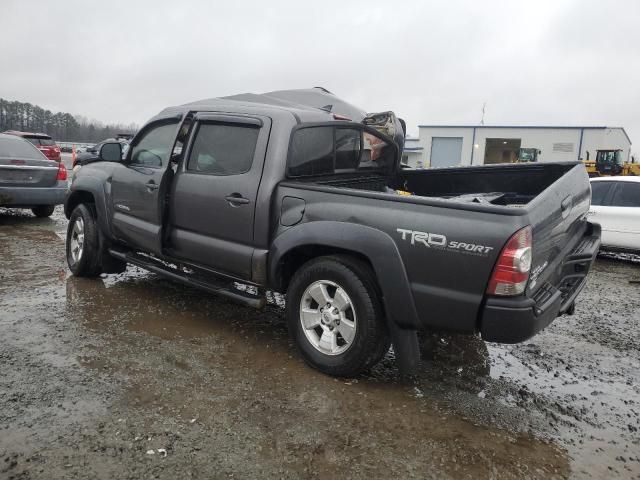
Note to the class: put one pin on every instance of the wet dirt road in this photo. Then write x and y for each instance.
(132, 376)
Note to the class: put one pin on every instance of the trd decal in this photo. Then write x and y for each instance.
(437, 240)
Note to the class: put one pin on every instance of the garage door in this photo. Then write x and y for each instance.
(445, 151)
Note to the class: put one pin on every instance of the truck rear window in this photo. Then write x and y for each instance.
(327, 150)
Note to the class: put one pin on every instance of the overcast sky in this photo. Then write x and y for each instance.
(535, 62)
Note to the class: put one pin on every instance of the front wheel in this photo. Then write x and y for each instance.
(43, 211)
(83, 243)
(335, 316)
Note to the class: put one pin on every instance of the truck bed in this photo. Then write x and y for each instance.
(474, 205)
(507, 184)
(511, 185)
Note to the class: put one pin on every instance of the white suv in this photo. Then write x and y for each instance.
(615, 205)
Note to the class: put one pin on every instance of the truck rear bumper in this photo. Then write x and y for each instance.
(33, 196)
(513, 320)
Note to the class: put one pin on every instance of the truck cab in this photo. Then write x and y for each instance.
(609, 162)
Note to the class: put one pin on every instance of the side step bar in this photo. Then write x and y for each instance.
(158, 267)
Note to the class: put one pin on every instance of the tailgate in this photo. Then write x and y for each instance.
(28, 173)
(559, 220)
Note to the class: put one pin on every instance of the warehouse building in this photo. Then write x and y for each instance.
(445, 146)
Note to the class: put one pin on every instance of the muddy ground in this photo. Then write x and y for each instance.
(132, 376)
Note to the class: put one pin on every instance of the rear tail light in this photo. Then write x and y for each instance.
(511, 273)
(62, 172)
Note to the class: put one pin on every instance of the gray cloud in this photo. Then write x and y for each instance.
(543, 62)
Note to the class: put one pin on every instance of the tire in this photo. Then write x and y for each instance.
(43, 211)
(83, 243)
(338, 340)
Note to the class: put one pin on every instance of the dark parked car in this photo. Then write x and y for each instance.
(91, 153)
(28, 179)
(300, 193)
(42, 141)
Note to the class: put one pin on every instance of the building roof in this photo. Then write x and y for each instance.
(549, 127)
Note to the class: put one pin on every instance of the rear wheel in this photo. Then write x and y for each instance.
(335, 316)
(83, 243)
(42, 211)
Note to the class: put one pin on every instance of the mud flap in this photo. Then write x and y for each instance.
(108, 263)
(406, 347)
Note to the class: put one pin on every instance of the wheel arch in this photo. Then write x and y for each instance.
(74, 199)
(89, 190)
(291, 249)
(294, 258)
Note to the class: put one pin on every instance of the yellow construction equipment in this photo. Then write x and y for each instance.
(609, 162)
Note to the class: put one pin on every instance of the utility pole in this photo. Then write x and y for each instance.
(484, 106)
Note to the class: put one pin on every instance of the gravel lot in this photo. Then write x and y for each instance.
(132, 376)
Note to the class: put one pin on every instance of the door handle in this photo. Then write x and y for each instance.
(152, 185)
(235, 199)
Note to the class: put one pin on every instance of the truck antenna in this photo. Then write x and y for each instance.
(484, 106)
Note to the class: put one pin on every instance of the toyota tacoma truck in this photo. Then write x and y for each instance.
(301, 193)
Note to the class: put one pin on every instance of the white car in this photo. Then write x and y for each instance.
(615, 205)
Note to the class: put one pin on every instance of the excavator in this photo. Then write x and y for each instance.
(609, 162)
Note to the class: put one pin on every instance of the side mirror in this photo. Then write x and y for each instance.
(111, 152)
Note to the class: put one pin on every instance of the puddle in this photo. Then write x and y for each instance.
(142, 357)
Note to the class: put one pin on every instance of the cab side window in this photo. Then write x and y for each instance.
(223, 149)
(154, 148)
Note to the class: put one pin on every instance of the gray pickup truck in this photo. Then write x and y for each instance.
(300, 193)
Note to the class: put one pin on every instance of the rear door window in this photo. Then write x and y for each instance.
(599, 192)
(223, 149)
(626, 195)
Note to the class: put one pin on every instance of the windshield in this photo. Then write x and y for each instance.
(40, 141)
(609, 157)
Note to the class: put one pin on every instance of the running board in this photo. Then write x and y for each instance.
(157, 266)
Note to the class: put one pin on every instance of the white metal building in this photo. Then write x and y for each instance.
(443, 146)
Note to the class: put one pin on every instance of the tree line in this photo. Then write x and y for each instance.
(61, 126)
